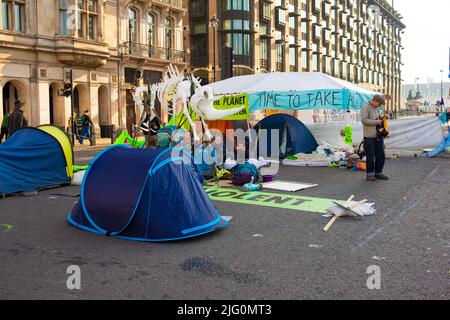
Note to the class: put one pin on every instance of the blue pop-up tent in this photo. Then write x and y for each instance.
(145, 195)
(294, 137)
(34, 158)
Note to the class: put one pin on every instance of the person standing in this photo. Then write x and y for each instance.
(150, 127)
(85, 127)
(71, 123)
(373, 141)
(17, 119)
(4, 129)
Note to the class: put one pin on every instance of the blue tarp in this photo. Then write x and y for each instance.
(292, 134)
(145, 195)
(444, 117)
(31, 159)
(439, 149)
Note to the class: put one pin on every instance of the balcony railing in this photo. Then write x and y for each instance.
(173, 3)
(279, 66)
(264, 64)
(147, 51)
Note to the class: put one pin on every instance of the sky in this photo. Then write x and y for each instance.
(426, 39)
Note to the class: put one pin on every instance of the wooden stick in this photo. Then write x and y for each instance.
(357, 204)
(328, 226)
(334, 218)
(350, 207)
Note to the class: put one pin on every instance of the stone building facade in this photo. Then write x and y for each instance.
(102, 41)
(355, 40)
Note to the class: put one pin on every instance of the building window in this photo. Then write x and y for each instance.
(237, 36)
(280, 17)
(151, 29)
(168, 29)
(239, 5)
(279, 59)
(326, 67)
(239, 42)
(315, 62)
(19, 17)
(351, 73)
(293, 59)
(264, 53)
(6, 15)
(338, 68)
(132, 25)
(304, 60)
(13, 15)
(199, 47)
(266, 10)
(87, 19)
(200, 28)
(197, 8)
(63, 18)
(236, 25)
(91, 27)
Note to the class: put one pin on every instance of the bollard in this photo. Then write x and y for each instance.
(113, 134)
(93, 140)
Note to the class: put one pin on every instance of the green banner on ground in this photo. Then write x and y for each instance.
(274, 200)
(232, 102)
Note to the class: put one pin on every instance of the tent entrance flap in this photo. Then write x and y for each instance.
(112, 186)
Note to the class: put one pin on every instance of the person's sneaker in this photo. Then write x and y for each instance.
(371, 178)
(381, 177)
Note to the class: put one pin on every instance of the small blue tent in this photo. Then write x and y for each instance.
(33, 158)
(145, 195)
(294, 136)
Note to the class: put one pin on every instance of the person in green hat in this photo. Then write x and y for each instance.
(17, 119)
(4, 129)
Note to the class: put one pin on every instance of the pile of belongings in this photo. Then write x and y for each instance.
(244, 173)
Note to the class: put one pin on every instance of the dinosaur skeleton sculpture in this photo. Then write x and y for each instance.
(201, 100)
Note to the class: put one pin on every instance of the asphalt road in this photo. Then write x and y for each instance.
(292, 258)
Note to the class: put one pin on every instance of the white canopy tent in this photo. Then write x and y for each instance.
(284, 82)
(295, 91)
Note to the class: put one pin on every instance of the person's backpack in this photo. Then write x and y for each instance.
(244, 173)
(165, 137)
(361, 151)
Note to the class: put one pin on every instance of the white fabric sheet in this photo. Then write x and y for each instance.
(406, 134)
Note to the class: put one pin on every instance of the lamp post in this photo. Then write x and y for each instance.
(72, 107)
(214, 23)
(442, 92)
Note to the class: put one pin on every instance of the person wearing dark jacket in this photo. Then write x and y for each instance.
(85, 127)
(150, 127)
(17, 119)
